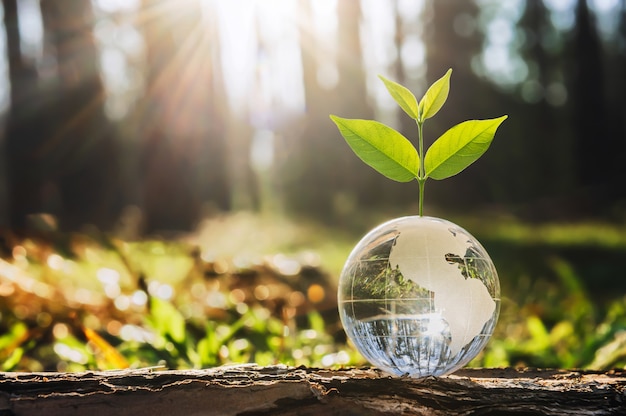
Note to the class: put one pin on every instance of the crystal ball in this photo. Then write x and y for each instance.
(419, 296)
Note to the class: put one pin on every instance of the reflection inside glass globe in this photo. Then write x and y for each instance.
(419, 296)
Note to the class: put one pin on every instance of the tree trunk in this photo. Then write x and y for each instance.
(279, 390)
(183, 148)
(77, 152)
(23, 170)
(319, 169)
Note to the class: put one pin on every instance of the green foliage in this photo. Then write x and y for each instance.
(560, 327)
(434, 98)
(391, 154)
(551, 315)
(459, 147)
(403, 96)
(11, 350)
(209, 314)
(381, 147)
(166, 320)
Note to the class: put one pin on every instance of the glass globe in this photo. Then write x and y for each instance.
(419, 296)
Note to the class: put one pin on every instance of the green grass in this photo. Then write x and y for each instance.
(245, 287)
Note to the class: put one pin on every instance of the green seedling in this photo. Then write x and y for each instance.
(393, 155)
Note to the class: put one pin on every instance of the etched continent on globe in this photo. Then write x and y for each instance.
(424, 257)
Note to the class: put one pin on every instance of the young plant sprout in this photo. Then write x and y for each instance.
(390, 153)
(419, 296)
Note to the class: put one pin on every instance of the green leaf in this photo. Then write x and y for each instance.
(12, 360)
(167, 320)
(405, 98)
(459, 147)
(435, 97)
(381, 147)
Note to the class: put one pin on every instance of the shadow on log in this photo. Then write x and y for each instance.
(279, 390)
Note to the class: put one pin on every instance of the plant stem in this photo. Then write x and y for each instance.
(420, 152)
(421, 175)
(421, 183)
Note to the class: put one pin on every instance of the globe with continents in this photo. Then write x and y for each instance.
(419, 296)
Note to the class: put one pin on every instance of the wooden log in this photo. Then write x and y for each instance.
(280, 390)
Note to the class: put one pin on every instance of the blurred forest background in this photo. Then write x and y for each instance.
(121, 120)
(180, 108)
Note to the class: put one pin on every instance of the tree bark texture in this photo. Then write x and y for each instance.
(280, 390)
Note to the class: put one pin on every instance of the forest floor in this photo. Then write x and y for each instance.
(250, 288)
